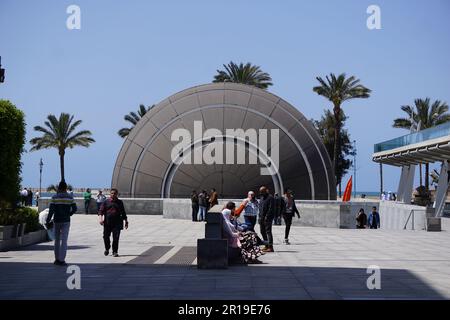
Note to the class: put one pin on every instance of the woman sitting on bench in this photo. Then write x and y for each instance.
(246, 242)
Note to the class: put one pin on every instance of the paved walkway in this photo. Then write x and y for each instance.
(158, 262)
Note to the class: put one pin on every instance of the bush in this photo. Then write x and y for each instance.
(21, 215)
(30, 217)
(12, 140)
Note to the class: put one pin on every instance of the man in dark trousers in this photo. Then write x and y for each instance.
(278, 208)
(112, 216)
(288, 212)
(266, 215)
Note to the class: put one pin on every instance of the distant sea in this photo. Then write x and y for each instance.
(367, 193)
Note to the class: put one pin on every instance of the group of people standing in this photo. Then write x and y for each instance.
(99, 200)
(262, 209)
(373, 222)
(26, 197)
(111, 213)
(202, 202)
(388, 196)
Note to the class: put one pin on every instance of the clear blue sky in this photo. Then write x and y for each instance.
(132, 52)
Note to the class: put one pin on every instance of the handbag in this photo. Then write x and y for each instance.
(49, 225)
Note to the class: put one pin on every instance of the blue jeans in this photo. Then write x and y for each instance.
(201, 213)
(251, 222)
(61, 236)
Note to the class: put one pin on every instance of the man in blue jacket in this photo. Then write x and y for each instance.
(62, 207)
(374, 219)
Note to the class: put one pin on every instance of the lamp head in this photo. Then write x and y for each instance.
(2, 72)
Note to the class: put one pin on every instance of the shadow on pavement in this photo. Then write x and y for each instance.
(169, 281)
(47, 247)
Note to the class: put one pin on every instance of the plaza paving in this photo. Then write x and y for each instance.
(157, 261)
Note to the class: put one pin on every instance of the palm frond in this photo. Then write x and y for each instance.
(247, 74)
(123, 132)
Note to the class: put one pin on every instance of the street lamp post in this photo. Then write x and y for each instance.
(41, 164)
(354, 168)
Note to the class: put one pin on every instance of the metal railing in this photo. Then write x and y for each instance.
(439, 131)
(411, 216)
(412, 221)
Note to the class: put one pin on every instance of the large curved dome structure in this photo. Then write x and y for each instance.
(144, 167)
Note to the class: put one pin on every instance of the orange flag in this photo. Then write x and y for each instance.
(348, 191)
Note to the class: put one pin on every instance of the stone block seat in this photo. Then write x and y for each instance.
(213, 251)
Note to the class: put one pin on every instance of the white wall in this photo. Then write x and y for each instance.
(393, 215)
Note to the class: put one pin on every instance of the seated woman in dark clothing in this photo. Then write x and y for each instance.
(245, 241)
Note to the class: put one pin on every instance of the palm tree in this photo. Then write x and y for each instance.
(54, 188)
(246, 74)
(423, 116)
(326, 127)
(60, 134)
(337, 90)
(133, 118)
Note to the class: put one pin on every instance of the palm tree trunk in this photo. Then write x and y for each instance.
(427, 175)
(420, 174)
(337, 132)
(61, 163)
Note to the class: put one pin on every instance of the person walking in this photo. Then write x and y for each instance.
(195, 206)
(251, 210)
(361, 219)
(213, 199)
(288, 212)
(29, 198)
(62, 207)
(278, 201)
(37, 196)
(100, 199)
(374, 219)
(266, 214)
(87, 200)
(112, 216)
(203, 205)
(23, 196)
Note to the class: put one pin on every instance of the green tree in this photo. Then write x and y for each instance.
(12, 140)
(246, 74)
(133, 118)
(60, 134)
(337, 90)
(326, 128)
(423, 115)
(54, 187)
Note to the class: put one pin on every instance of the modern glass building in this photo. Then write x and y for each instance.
(425, 146)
